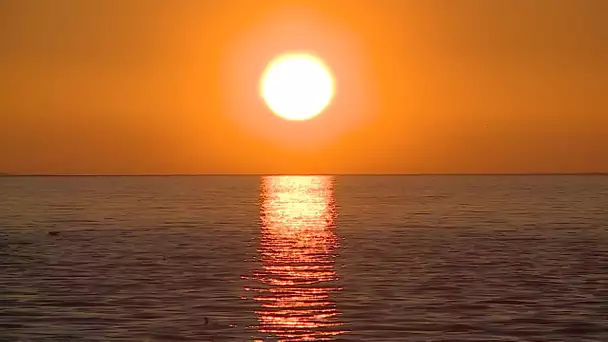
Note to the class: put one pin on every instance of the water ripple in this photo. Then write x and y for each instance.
(317, 258)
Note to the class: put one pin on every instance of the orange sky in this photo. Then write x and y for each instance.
(446, 86)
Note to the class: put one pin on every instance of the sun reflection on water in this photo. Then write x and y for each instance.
(297, 252)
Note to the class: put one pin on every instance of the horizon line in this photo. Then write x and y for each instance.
(303, 174)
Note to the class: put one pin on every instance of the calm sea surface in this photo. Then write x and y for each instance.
(285, 258)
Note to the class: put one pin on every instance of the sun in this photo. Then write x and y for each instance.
(297, 86)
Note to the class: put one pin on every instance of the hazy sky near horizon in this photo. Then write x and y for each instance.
(151, 86)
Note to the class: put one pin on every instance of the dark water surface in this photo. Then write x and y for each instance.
(412, 258)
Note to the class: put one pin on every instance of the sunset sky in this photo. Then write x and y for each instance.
(422, 86)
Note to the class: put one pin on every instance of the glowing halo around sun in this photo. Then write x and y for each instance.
(297, 86)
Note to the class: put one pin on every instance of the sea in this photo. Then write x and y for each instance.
(304, 258)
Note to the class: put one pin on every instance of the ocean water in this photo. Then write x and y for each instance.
(304, 258)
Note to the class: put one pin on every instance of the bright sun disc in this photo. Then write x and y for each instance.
(297, 86)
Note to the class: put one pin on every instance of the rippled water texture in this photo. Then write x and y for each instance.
(285, 258)
(297, 255)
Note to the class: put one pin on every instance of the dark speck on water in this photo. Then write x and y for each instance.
(345, 258)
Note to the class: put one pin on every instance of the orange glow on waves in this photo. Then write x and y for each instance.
(297, 259)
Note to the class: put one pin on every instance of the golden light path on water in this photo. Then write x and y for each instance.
(297, 252)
